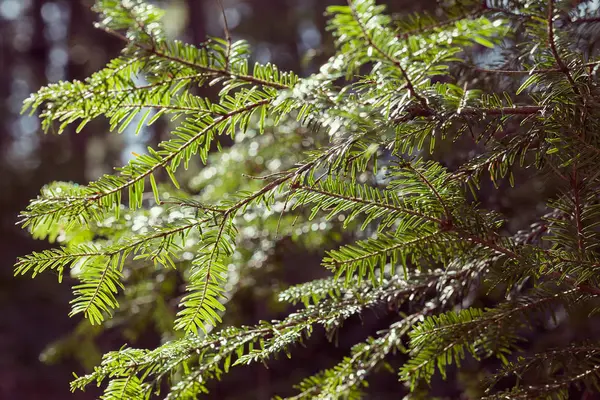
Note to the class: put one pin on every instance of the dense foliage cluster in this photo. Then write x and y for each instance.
(348, 159)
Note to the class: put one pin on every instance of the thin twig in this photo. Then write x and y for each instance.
(441, 24)
(588, 20)
(423, 178)
(226, 32)
(552, 42)
(484, 9)
(515, 72)
(575, 187)
(521, 110)
(214, 71)
(409, 84)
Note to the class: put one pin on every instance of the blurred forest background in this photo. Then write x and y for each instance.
(43, 41)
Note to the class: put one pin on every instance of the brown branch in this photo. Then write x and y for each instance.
(422, 178)
(197, 206)
(581, 287)
(409, 84)
(221, 72)
(150, 86)
(552, 42)
(413, 113)
(577, 211)
(164, 161)
(515, 72)
(441, 24)
(588, 20)
(373, 203)
(507, 12)
(226, 32)
(384, 251)
(490, 244)
(173, 108)
(521, 110)
(484, 9)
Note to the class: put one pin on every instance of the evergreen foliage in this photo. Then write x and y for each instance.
(348, 157)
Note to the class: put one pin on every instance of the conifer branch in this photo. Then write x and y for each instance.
(365, 202)
(575, 187)
(390, 58)
(585, 20)
(450, 21)
(202, 68)
(514, 72)
(84, 202)
(552, 42)
(335, 153)
(423, 178)
(463, 330)
(518, 110)
(189, 142)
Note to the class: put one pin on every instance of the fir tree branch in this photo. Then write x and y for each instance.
(382, 94)
(190, 319)
(423, 178)
(552, 42)
(165, 160)
(366, 357)
(84, 202)
(328, 313)
(514, 72)
(518, 110)
(442, 338)
(585, 20)
(577, 357)
(450, 21)
(390, 58)
(358, 200)
(202, 68)
(575, 187)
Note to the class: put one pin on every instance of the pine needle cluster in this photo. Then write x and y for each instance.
(350, 151)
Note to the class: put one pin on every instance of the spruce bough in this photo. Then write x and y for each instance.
(350, 150)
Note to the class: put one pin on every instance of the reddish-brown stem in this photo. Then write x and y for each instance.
(209, 70)
(484, 9)
(409, 84)
(423, 178)
(441, 24)
(520, 110)
(581, 287)
(515, 72)
(585, 20)
(575, 186)
(552, 42)
(181, 148)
